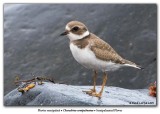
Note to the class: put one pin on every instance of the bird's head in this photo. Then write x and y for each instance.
(76, 30)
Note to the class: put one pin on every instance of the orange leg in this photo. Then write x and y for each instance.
(101, 91)
(94, 81)
(94, 84)
(103, 84)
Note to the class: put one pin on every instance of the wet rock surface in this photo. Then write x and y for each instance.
(67, 95)
(32, 44)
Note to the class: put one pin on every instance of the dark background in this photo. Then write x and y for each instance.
(32, 44)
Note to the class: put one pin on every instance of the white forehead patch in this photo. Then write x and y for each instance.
(67, 28)
(77, 37)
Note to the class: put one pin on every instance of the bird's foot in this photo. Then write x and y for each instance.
(96, 95)
(91, 91)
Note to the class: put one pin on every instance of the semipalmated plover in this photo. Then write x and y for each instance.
(93, 53)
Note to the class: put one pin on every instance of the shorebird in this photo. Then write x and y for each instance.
(93, 53)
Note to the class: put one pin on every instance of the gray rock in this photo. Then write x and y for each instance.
(68, 95)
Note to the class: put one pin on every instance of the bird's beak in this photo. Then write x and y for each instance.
(64, 33)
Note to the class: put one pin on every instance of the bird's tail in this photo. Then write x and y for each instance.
(131, 64)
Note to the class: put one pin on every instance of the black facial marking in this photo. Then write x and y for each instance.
(75, 28)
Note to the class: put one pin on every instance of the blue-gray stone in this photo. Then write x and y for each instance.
(68, 95)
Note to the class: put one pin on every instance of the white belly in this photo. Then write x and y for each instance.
(88, 59)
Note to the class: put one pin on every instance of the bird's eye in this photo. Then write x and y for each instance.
(75, 28)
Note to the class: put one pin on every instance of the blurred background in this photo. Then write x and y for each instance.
(32, 45)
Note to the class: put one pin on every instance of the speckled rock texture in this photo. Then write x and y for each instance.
(67, 95)
(32, 44)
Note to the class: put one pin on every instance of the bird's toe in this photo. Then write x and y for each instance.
(93, 93)
(90, 92)
(97, 95)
